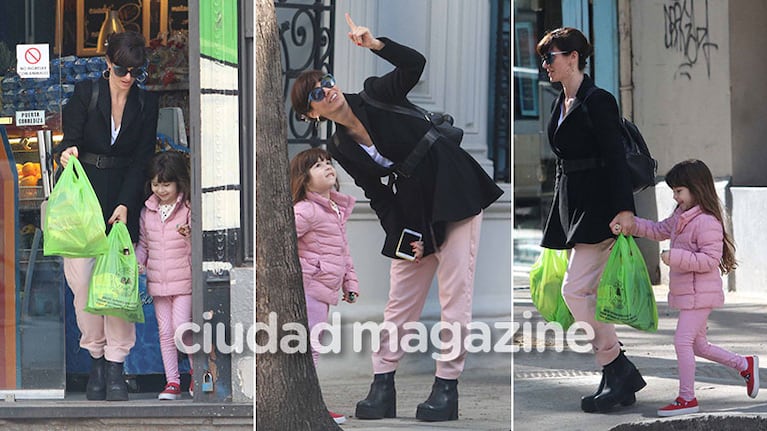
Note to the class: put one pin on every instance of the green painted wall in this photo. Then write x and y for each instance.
(218, 30)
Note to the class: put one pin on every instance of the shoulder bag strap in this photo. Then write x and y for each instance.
(91, 107)
(94, 95)
(407, 166)
(586, 96)
(417, 112)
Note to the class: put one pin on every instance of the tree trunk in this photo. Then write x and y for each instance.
(288, 395)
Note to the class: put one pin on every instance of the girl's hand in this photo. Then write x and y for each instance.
(351, 297)
(120, 214)
(66, 154)
(184, 230)
(361, 36)
(665, 256)
(622, 223)
(417, 250)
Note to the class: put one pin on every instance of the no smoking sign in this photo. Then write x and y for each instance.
(32, 61)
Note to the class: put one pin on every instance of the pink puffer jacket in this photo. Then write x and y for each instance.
(322, 246)
(166, 254)
(697, 241)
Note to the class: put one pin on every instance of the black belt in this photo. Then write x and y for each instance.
(578, 165)
(104, 162)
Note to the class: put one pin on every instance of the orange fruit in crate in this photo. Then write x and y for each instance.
(29, 169)
(28, 180)
(18, 169)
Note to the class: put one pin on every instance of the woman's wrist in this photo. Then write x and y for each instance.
(377, 45)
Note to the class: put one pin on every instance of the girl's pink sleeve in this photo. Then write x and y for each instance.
(351, 283)
(656, 231)
(141, 246)
(304, 212)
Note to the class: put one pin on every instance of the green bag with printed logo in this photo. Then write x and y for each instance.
(74, 224)
(113, 290)
(625, 292)
(546, 277)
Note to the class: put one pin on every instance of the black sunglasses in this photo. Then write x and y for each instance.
(137, 72)
(549, 56)
(317, 93)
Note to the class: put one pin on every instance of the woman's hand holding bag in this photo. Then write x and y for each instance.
(625, 292)
(74, 223)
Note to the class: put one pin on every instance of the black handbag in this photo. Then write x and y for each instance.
(441, 127)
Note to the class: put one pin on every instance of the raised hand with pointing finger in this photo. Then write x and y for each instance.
(361, 36)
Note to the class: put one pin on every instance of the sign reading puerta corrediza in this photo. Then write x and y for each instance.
(32, 61)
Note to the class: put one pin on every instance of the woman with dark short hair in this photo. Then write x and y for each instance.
(110, 125)
(442, 199)
(592, 196)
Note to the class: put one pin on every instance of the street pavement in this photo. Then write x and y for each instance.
(548, 384)
(484, 391)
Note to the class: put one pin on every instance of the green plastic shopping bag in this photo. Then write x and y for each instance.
(113, 289)
(74, 224)
(625, 293)
(546, 277)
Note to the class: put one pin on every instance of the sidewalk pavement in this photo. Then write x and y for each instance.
(484, 392)
(548, 385)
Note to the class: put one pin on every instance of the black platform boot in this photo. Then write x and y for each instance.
(442, 404)
(381, 401)
(587, 402)
(622, 379)
(117, 389)
(96, 389)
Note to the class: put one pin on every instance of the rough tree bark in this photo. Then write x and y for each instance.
(288, 395)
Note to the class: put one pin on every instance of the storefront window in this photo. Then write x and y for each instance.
(42, 57)
(33, 88)
(533, 95)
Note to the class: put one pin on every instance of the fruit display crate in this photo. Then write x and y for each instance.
(30, 197)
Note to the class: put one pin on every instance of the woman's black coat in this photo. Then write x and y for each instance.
(448, 185)
(90, 132)
(586, 201)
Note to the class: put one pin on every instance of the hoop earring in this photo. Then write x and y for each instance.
(105, 74)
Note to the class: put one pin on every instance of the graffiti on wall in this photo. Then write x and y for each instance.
(687, 32)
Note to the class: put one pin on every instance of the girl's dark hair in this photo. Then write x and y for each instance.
(299, 171)
(695, 175)
(126, 49)
(171, 167)
(299, 94)
(566, 39)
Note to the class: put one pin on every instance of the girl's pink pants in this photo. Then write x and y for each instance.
(690, 341)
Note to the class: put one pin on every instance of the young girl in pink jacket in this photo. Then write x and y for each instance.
(701, 251)
(164, 252)
(321, 213)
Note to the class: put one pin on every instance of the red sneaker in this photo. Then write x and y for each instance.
(752, 376)
(338, 418)
(679, 407)
(172, 392)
